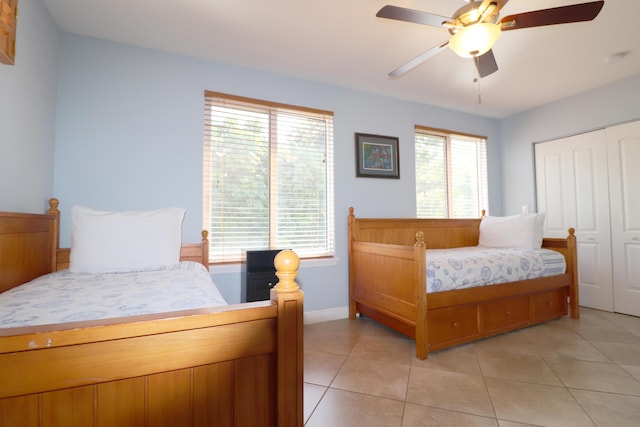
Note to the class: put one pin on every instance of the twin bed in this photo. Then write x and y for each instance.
(202, 363)
(400, 270)
(240, 365)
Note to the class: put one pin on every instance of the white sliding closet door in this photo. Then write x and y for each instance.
(623, 149)
(572, 188)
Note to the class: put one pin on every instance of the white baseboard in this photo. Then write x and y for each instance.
(326, 315)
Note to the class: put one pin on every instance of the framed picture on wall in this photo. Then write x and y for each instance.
(377, 156)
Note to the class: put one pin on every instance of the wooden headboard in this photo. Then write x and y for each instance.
(438, 233)
(29, 246)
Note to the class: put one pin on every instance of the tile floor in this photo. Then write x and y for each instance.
(562, 373)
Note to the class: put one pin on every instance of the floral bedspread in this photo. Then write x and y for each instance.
(67, 297)
(467, 267)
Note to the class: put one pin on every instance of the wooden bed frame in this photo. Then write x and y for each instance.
(237, 365)
(387, 282)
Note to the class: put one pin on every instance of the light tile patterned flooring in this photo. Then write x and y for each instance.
(564, 373)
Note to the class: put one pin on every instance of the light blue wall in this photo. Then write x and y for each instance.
(609, 105)
(130, 128)
(27, 113)
(128, 134)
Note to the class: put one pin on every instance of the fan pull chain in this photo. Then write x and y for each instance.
(476, 80)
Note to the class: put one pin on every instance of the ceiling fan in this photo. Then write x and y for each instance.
(475, 28)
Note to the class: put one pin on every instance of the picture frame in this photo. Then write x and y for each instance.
(377, 156)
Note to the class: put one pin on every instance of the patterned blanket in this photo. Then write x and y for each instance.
(467, 267)
(64, 296)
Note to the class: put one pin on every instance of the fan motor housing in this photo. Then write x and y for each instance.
(471, 14)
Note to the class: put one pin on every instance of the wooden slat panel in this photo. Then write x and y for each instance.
(438, 233)
(69, 408)
(12, 222)
(63, 257)
(383, 275)
(201, 396)
(196, 252)
(213, 392)
(19, 411)
(28, 258)
(121, 403)
(27, 242)
(50, 368)
(255, 392)
(169, 399)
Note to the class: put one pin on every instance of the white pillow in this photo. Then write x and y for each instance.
(110, 242)
(517, 231)
(538, 229)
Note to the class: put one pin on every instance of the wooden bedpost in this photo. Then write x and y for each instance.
(352, 302)
(54, 237)
(289, 298)
(422, 331)
(572, 265)
(204, 245)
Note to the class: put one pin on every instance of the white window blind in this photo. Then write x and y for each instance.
(451, 174)
(268, 178)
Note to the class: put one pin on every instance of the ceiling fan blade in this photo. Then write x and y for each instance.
(556, 15)
(486, 64)
(403, 69)
(410, 15)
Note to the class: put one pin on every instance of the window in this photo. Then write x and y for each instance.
(268, 178)
(451, 174)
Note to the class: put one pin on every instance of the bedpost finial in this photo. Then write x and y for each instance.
(205, 234)
(420, 239)
(286, 263)
(572, 231)
(351, 211)
(53, 204)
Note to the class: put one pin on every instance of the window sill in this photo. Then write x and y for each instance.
(304, 263)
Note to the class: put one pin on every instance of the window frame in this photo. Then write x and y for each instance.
(481, 181)
(272, 110)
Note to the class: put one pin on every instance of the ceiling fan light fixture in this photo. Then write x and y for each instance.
(475, 39)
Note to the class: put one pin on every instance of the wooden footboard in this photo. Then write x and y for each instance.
(237, 365)
(387, 282)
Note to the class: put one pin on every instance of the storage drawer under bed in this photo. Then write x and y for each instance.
(452, 324)
(548, 305)
(504, 314)
(457, 324)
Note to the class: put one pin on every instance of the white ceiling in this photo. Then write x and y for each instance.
(342, 43)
